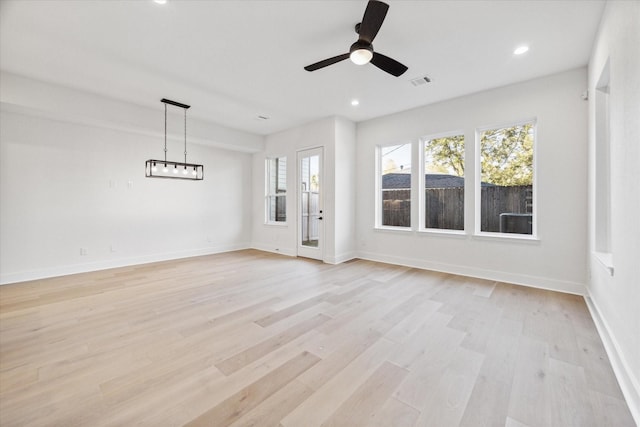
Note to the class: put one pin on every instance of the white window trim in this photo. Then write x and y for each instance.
(378, 188)
(421, 186)
(478, 181)
(267, 172)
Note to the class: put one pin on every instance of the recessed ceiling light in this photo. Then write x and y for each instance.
(160, 1)
(520, 50)
(355, 102)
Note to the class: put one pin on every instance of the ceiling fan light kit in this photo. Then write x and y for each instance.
(361, 52)
(155, 168)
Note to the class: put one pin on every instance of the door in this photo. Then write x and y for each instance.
(310, 224)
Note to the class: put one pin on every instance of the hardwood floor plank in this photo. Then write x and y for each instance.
(448, 392)
(483, 288)
(235, 315)
(394, 414)
(361, 407)
(291, 310)
(328, 398)
(240, 360)
(566, 381)
(276, 406)
(251, 396)
(333, 363)
(489, 401)
(610, 411)
(298, 343)
(527, 399)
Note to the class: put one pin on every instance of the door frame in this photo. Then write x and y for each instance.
(308, 251)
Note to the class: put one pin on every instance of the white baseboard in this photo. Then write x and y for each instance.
(273, 249)
(44, 273)
(629, 384)
(339, 259)
(500, 276)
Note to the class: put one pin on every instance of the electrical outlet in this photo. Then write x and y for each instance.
(130, 185)
(112, 248)
(83, 251)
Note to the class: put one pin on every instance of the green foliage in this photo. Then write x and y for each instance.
(446, 155)
(506, 155)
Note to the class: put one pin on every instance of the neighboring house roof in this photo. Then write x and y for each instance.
(397, 181)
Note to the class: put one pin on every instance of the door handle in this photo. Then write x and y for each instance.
(320, 217)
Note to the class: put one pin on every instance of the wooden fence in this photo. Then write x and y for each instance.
(497, 200)
(444, 207)
(396, 207)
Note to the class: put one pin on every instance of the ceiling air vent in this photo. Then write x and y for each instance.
(421, 81)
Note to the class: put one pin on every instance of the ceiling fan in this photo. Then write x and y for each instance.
(361, 52)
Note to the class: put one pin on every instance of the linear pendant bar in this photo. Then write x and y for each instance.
(155, 168)
(176, 170)
(177, 104)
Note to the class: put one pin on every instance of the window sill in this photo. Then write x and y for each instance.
(276, 224)
(443, 232)
(606, 259)
(524, 238)
(386, 228)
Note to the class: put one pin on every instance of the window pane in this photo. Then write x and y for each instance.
(277, 175)
(277, 208)
(276, 189)
(507, 179)
(395, 166)
(444, 183)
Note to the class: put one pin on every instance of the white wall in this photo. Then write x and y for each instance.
(337, 138)
(71, 180)
(557, 259)
(345, 191)
(615, 299)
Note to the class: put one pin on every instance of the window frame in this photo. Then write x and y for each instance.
(478, 183)
(422, 187)
(269, 194)
(379, 207)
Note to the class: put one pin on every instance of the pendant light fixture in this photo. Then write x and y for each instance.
(171, 169)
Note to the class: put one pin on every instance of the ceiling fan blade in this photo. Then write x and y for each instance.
(387, 64)
(372, 20)
(326, 62)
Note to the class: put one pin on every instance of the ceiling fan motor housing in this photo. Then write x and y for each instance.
(360, 44)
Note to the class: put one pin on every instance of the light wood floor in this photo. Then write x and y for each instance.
(253, 339)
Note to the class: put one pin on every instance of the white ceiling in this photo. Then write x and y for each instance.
(235, 60)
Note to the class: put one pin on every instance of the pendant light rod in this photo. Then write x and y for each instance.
(177, 104)
(185, 135)
(165, 133)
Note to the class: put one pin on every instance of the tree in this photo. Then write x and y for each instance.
(506, 155)
(446, 154)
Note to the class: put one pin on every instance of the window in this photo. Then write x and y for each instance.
(443, 182)
(506, 179)
(394, 166)
(276, 200)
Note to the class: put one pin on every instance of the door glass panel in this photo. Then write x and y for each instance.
(310, 195)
